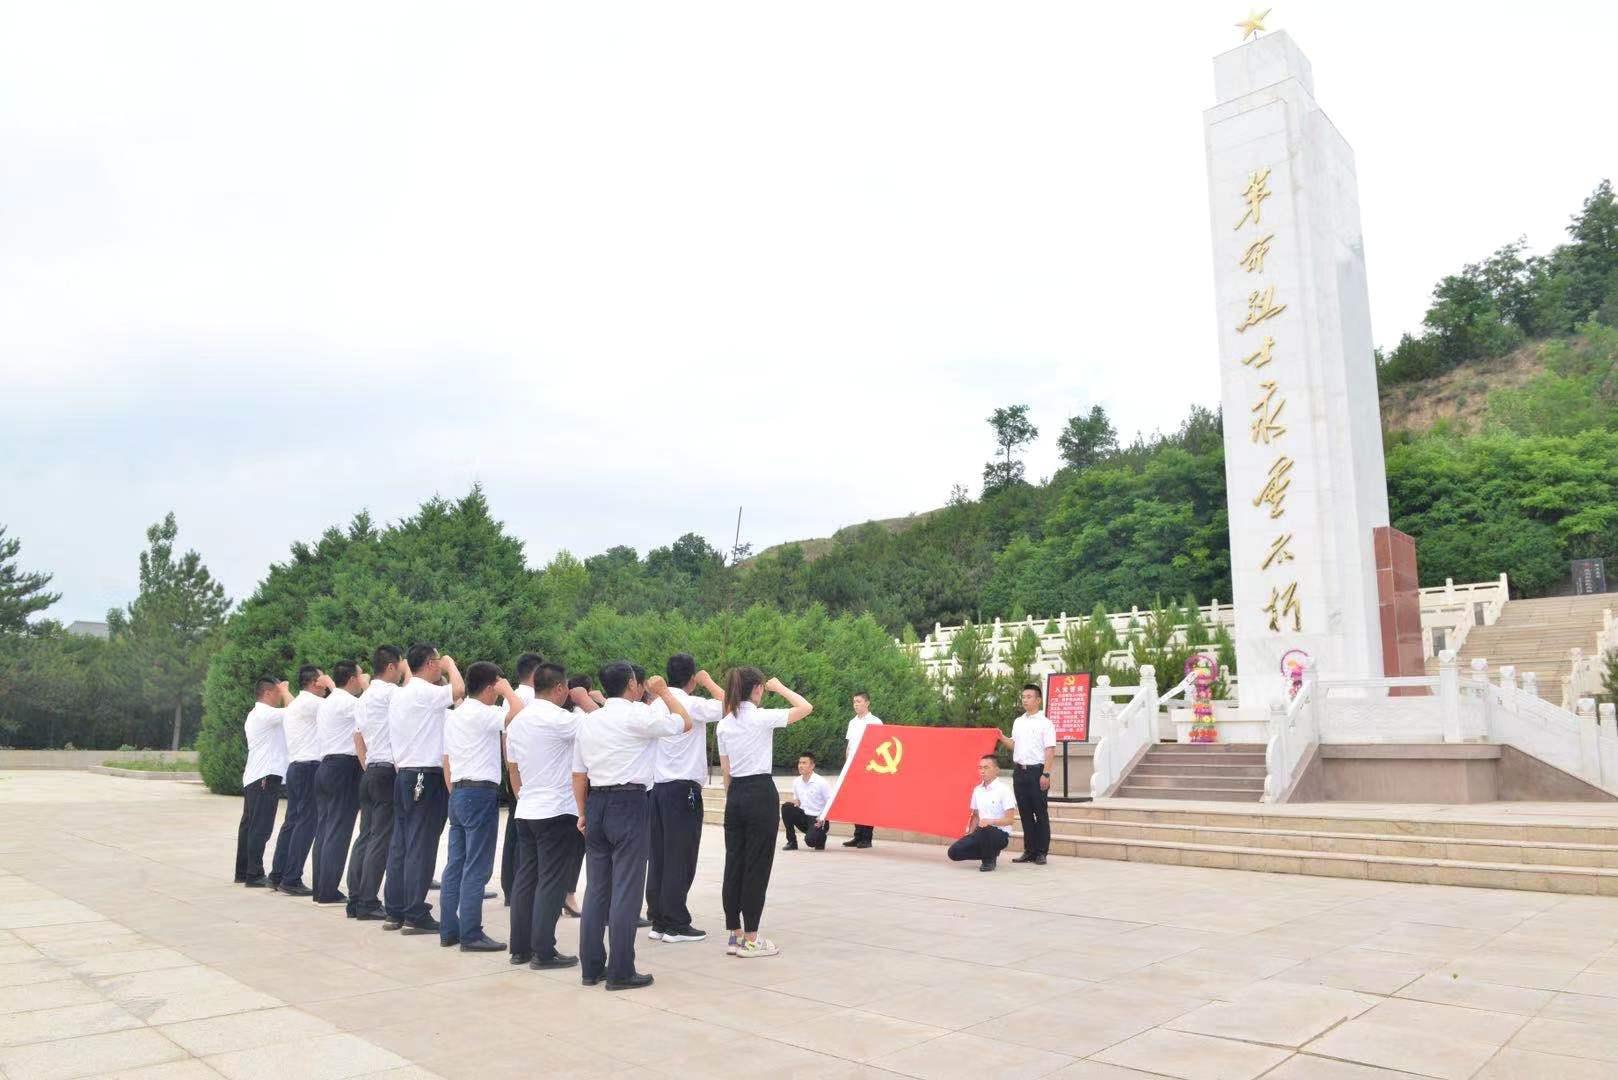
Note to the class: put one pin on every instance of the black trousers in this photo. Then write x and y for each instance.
(984, 845)
(413, 850)
(369, 857)
(751, 823)
(676, 838)
(297, 833)
(508, 849)
(337, 800)
(793, 817)
(259, 802)
(547, 851)
(1033, 809)
(615, 844)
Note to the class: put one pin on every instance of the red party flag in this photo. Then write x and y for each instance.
(918, 779)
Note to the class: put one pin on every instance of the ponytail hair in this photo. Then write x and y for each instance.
(739, 687)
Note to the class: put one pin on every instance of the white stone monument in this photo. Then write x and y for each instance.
(1303, 438)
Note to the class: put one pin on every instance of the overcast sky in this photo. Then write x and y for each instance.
(633, 265)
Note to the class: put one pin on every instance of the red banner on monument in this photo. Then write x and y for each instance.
(1067, 706)
(918, 779)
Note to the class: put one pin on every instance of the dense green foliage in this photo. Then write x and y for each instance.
(1491, 307)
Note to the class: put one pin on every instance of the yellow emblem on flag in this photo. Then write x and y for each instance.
(885, 758)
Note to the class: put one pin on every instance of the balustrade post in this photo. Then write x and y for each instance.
(1530, 683)
(1508, 675)
(1589, 740)
(1449, 695)
(1607, 717)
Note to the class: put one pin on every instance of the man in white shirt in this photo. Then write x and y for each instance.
(337, 781)
(676, 806)
(989, 829)
(1033, 752)
(806, 812)
(369, 858)
(416, 716)
(863, 718)
(527, 664)
(261, 778)
(539, 753)
(297, 833)
(473, 734)
(614, 761)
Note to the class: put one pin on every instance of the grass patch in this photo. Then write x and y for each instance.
(153, 766)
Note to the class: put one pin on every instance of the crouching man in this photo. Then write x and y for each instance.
(993, 810)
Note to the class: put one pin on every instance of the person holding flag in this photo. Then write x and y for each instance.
(752, 803)
(988, 831)
(863, 718)
(1033, 752)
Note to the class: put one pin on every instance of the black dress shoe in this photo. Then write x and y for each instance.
(789, 847)
(489, 894)
(369, 916)
(260, 882)
(569, 913)
(295, 890)
(337, 899)
(634, 982)
(556, 960)
(986, 867)
(863, 844)
(434, 884)
(642, 924)
(443, 942)
(241, 879)
(1039, 860)
(851, 843)
(521, 957)
(483, 943)
(1025, 857)
(424, 925)
(591, 980)
(391, 924)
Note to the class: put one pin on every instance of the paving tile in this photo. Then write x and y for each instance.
(92, 1055)
(1590, 1041)
(1309, 1067)
(958, 1054)
(1511, 1064)
(857, 1035)
(69, 1021)
(1276, 1013)
(50, 995)
(30, 972)
(283, 1026)
(331, 1057)
(1193, 1057)
(1476, 994)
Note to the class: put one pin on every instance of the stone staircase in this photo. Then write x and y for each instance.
(1561, 858)
(1227, 772)
(1537, 636)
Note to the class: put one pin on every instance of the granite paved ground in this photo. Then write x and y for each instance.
(125, 950)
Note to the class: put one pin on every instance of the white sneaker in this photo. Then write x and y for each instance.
(758, 947)
(655, 935)
(687, 933)
(733, 945)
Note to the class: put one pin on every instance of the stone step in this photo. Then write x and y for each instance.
(1326, 821)
(1530, 852)
(1130, 790)
(1152, 766)
(1206, 778)
(1584, 880)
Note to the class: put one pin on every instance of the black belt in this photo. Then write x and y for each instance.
(474, 784)
(1014, 765)
(621, 787)
(439, 769)
(381, 765)
(337, 757)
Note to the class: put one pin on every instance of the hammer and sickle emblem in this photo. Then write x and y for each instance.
(885, 758)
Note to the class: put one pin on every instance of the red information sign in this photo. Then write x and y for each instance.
(1067, 704)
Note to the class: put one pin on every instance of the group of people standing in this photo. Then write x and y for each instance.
(610, 778)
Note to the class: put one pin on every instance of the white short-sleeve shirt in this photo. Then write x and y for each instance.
(266, 743)
(525, 692)
(1031, 735)
(372, 722)
(991, 802)
(335, 722)
(472, 740)
(416, 716)
(685, 756)
(617, 744)
(303, 740)
(749, 738)
(540, 743)
(856, 729)
(813, 794)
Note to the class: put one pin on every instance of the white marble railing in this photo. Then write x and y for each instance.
(1450, 611)
(1449, 707)
(1126, 731)
(1294, 731)
(1587, 674)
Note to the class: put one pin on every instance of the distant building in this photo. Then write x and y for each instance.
(86, 628)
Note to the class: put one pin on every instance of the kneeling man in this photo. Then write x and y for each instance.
(806, 812)
(993, 810)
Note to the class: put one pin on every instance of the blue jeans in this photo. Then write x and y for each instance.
(474, 822)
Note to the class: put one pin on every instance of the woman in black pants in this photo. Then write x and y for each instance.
(752, 803)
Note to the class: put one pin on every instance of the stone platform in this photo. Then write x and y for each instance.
(125, 951)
